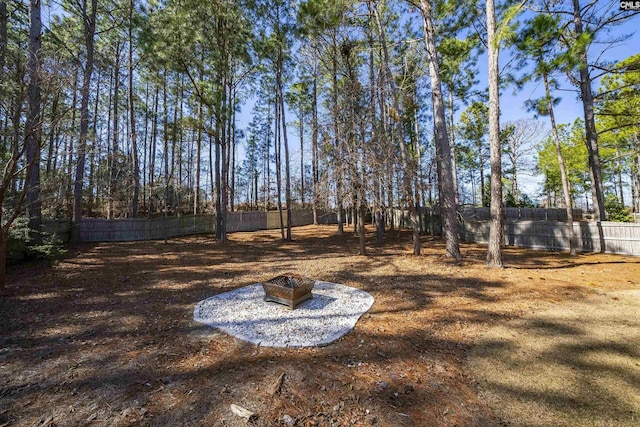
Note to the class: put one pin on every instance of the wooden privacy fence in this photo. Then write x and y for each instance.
(615, 237)
(536, 228)
(522, 214)
(132, 229)
(402, 217)
(251, 221)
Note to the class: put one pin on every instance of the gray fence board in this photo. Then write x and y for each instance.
(620, 238)
(530, 214)
(132, 229)
(617, 237)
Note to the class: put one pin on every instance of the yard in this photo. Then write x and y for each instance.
(106, 336)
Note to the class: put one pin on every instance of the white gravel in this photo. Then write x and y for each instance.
(332, 312)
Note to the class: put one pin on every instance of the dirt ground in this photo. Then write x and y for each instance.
(106, 336)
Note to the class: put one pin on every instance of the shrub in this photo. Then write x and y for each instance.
(21, 247)
(615, 210)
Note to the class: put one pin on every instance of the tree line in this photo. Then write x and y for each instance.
(130, 108)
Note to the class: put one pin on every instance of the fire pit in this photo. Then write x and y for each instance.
(288, 289)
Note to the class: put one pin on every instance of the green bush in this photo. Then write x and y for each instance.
(50, 249)
(615, 210)
(21, 247)
(524, 201)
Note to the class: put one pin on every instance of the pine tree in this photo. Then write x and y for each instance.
(538, 41)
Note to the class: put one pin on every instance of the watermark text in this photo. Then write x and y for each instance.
(629, 5)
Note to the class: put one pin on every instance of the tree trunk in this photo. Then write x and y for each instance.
(301, 156)
(220, 134)
(132, 121)
(196, 189)
(337, 141)
(454, 160)
(287, 169)
(218, 194)
(586, 95)
(563, 172)
(4, 239)
(180, 136)
(89, 20)
(227, 140)
(18, 105)
(165, 139)
(33, 125)
(113, 170)
(420, 171)
(278, 156)
(483, 190)
(152, 151)
(389, 190)
(267, 149)
(107, 145)
(635, 184)
(355, 145)
(496, 232)
(96, 142)
(145, 142)
(174, 198)
(443, 150)
(407, 166)
(378, 202)
(224, 172)
(232, 139)
(314, 137)
(53, 132)
(362, 208)
(516, 191)
(4, 39)
(224, 187)
(619, 173)
(67, 197)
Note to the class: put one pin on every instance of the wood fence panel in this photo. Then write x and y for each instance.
(327, 217)
(524, 214)
(132, 229)
(273, 219)
(617, 237)
(246, 221)
(301, 217)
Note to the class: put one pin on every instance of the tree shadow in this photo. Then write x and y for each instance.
(107, 337)
(574, 364)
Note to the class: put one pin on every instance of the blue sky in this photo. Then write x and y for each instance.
(570, 108)
(513, 102)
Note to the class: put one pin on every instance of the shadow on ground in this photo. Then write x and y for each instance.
(573, 364)
(107, 336)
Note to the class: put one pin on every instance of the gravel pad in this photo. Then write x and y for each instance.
(332, 312)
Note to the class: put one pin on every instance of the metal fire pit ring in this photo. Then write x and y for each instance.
(289, 289)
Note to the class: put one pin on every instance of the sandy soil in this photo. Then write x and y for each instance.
(106, 336)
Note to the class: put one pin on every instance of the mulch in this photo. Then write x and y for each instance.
(106, 335)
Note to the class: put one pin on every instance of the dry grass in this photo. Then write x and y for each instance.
(575, 364)
(107, 337)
